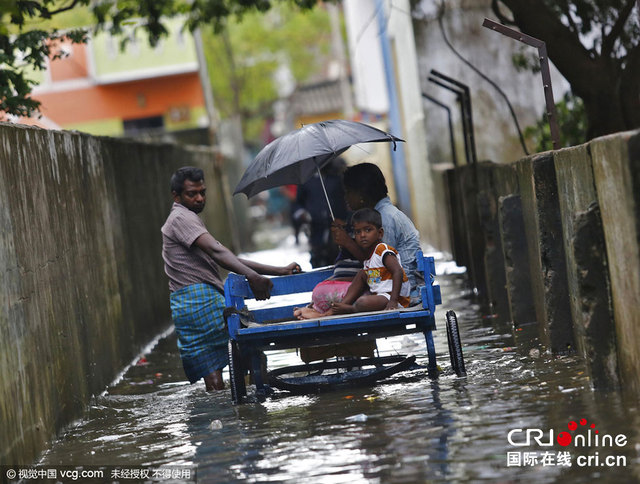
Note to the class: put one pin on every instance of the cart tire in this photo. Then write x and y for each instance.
(455, 346)
(236, 374)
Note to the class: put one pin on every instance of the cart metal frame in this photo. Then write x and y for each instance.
(275, 328)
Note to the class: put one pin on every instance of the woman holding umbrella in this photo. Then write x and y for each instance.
(366, 187)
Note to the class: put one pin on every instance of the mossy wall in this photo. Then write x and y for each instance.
(82, 283)
(569, 227)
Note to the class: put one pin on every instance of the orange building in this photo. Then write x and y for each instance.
(99, 89)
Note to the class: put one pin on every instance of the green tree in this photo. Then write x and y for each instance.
(27, 37)
(25, 48)
(244, 57)
(571, 123)
(595, 44)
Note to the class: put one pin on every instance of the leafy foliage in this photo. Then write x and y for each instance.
(27, 50)
(244, 59)
(26, 46)
(526, 60)
(571, 123)
(595, 44)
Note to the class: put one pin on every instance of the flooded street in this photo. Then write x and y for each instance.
(409, 428)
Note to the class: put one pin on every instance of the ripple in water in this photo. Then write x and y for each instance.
(409, 428)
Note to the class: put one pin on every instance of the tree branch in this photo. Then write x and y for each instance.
(565, 50)
(572, 24)
(61, 9)
(609, 40)
(495, 7)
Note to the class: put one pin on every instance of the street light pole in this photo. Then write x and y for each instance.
(337, 45)
(218, 161)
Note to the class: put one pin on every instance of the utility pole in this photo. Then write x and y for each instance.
(397, 156)
(218, 161)
(207, 91)
(337, 47)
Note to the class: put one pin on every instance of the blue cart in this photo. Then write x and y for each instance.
(254, 332)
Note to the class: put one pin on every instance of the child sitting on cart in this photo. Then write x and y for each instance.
(382, 283)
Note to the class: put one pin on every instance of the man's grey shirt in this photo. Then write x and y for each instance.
(185, 263)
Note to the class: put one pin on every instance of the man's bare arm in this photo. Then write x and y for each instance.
(260, 285)
(293, 268)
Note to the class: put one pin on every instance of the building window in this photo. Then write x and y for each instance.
(140, 125)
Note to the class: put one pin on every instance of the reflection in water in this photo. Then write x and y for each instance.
(408, 429)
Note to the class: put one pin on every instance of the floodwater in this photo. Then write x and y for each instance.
(408, 429)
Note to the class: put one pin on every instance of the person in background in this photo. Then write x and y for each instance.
(365, 187)
(191, 259)
(311, 207)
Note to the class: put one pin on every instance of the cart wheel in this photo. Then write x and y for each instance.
(455, 346)
(236, 373)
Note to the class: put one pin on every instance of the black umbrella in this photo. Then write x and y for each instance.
(292, 159)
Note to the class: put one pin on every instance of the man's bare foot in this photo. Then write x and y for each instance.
(341, 308)
(307, 313)
(214, 381)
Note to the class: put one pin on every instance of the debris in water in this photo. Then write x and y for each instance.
(144, 382)
(567, 390)
(215, 425)
(361, 417)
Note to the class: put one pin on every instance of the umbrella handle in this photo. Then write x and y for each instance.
(326, 195)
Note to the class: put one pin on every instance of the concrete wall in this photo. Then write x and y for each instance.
(490, 52)
(616, 165)
(552, 242)
(82, 284)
